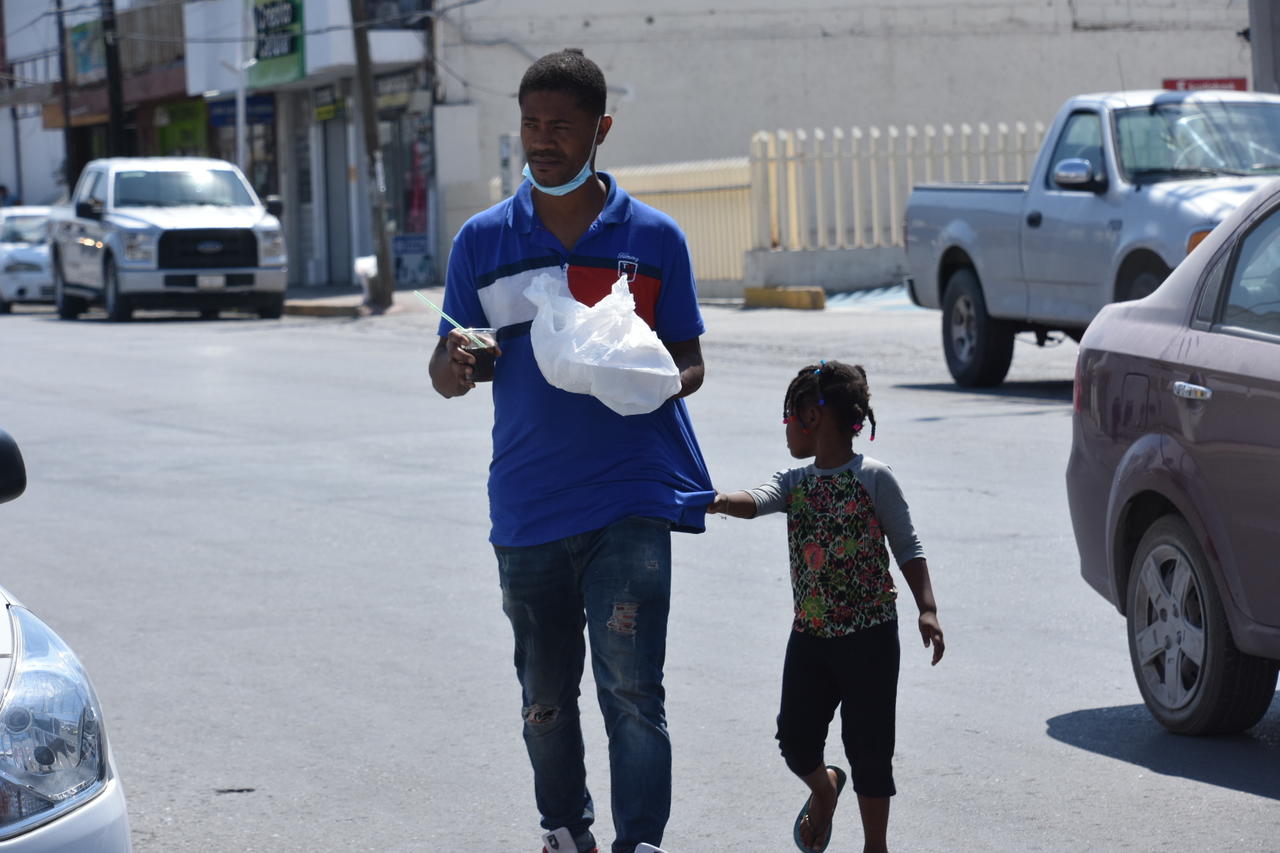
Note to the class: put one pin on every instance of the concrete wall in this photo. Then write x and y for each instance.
(693, 79)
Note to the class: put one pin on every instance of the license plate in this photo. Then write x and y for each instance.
(211, 282)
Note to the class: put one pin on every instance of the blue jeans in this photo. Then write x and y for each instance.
(615, 582)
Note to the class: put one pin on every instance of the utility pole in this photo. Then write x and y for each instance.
(1262, 36)
(382, 287)
(115, 90)
(68, 168)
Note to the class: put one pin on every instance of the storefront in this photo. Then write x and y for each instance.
(262, 170)
(403, 133)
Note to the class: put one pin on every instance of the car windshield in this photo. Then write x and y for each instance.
(1175, 141)
(23, 229)
(218, 187)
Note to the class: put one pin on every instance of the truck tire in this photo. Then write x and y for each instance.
(272, 309)
(1192, 677)
(117, 304)
(5, 307)
(978, 348)
(69, 307)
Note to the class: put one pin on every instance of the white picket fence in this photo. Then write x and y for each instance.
(811, 190)
(843, 189)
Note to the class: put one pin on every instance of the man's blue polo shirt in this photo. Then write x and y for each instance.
(565, 463)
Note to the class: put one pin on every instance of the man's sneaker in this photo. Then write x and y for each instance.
(561, 841)
(649, 848)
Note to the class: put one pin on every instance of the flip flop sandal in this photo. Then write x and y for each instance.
(841, 778)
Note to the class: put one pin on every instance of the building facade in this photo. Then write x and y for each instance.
(694, 80)
(269, 84)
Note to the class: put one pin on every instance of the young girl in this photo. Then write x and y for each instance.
(843, 649)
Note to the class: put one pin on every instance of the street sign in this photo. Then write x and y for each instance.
(1186, 84)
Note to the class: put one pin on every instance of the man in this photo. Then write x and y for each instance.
(582, 500)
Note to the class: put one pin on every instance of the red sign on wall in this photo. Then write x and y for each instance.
(1186, 84)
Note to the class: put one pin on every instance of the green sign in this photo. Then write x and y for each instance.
(278, 46)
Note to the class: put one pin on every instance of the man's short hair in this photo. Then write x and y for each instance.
(569, 71)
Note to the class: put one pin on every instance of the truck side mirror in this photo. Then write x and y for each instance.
(87, 210)
(1077, 174)
(275, 206)
(13, 474)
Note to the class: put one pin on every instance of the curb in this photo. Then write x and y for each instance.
(320, 309)
(803, 298)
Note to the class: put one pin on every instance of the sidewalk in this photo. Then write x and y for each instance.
(349, 301)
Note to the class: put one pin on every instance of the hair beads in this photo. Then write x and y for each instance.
(841, 388)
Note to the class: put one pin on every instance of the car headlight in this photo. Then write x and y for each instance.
(21, 266)
(52, 747)
(140, 248)
(271, 246)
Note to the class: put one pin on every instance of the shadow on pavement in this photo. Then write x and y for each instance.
(1053, 389)
(1247, 762)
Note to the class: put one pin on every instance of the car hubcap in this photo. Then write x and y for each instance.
(1169, 627)
(963, 336)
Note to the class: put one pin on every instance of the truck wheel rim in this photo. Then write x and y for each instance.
(963, 335)
(1168, 627)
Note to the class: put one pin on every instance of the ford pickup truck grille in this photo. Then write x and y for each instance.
(208, 248)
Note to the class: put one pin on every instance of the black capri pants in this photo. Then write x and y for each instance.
(859, 673)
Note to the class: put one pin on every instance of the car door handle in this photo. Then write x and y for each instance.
(1034, 219)
(1188, 391)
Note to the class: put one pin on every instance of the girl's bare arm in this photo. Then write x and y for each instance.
(917, 574)
(737, 504)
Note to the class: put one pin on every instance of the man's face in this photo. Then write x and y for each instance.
(557, 135)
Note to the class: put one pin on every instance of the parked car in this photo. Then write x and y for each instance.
(167, 232)
(59, 790)
(1174, 475)
(24, 256)
(1124, 186)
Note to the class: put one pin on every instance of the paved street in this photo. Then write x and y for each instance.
(266, 540)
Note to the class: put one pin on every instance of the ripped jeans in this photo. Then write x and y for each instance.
(615, 582)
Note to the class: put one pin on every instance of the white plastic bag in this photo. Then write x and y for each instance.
(604, 350)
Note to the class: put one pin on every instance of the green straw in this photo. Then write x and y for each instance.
(477, 341)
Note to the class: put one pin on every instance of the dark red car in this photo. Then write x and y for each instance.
(1174, 476)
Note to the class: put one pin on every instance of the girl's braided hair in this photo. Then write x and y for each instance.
(838, 387)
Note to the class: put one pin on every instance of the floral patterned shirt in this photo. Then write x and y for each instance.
(837, 522)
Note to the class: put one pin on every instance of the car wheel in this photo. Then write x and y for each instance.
(69, 307)
(978, 348)
(272, 310)
(117, 304)
(1140, 285)
(1192, 677)
(5, 307)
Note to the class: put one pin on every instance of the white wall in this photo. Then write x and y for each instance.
(695, 78)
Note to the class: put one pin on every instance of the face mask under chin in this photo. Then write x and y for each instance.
(577, 180)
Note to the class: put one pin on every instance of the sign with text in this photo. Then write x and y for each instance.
(278, 43)
(1187, 84)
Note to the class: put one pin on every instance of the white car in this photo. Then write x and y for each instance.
(59, 792)
(25, 275)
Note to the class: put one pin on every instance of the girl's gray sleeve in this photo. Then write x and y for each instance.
(895, 518)
(772, 496)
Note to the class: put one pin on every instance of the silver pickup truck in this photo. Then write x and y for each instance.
(166, 232)
(1124, 187)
